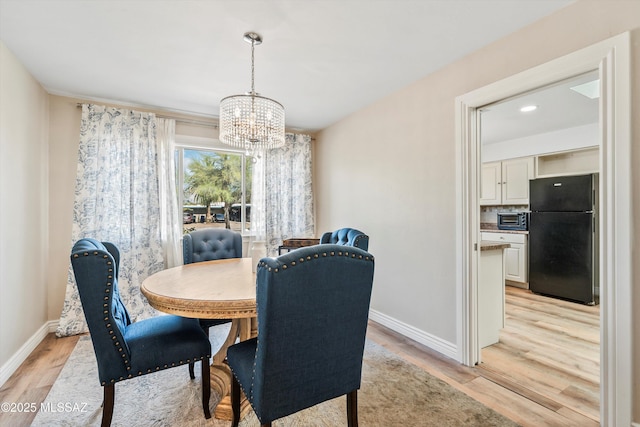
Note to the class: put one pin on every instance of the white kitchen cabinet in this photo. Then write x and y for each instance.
(574, 162)
(506, 182)
(516, 258)
(491, 184)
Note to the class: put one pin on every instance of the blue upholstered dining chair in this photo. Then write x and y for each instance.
(313, 307)
(346, 237)
(209, 244)
(124, 349)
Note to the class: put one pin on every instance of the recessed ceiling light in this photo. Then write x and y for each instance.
(590, 89)
(528, 108)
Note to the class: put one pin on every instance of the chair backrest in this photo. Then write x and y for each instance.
(95, 267)
(346, 237)
(211, 243)
(313, 308)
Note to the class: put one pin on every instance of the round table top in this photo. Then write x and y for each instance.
(220, 289)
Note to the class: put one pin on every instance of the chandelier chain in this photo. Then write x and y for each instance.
(253, 90)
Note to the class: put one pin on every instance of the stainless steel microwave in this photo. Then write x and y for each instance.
(513, 221)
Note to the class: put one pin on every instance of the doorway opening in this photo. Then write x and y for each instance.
(544, 348)
(611, 58)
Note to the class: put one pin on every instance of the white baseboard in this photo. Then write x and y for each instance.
(21, 355)
(441, 346)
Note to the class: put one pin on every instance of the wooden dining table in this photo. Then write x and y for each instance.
(220, 289)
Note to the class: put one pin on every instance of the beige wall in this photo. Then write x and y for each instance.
(64, 134)
(389, 169)
(23, 205)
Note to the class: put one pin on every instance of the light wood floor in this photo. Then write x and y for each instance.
(549, 351)
(544, 372)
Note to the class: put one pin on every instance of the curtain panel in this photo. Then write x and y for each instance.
(170, 212)
(121, 196)
(282, 195)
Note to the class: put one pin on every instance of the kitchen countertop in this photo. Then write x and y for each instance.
(493, 228)
(488, 245)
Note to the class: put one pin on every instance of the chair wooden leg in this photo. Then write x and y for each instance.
(192, 364)
(352, 408)
(235, 401)
(206, 387)
(107, 404)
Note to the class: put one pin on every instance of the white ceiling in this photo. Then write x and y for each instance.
(322, 59)
(559, 107)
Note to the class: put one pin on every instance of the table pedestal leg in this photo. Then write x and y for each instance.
(221, 373)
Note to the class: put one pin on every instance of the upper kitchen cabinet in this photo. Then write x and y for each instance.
(506, 182)
(571, 162)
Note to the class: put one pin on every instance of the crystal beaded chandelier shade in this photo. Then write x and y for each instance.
(250, 121)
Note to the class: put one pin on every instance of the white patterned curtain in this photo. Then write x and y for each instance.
(118, 199)
(282, 196)
(170, 218)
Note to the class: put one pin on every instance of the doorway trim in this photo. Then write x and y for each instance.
(612, 58)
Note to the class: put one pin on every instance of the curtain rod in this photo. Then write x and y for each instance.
(185, 121)
(178, 119)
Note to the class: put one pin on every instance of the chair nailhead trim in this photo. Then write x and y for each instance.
(159, 368)
(316, 256)
(116, 342)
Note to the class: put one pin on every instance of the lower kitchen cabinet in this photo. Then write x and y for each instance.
(516, 257)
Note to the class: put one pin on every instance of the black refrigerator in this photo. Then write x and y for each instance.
(563, 237)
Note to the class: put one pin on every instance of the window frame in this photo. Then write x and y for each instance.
(185, 142)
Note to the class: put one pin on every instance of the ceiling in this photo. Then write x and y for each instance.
(558, 107)
(322, 59)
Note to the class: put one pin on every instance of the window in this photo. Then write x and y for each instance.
(214, 188)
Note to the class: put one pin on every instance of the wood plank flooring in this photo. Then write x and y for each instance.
(505, 381)
(549, 351)
(544, 372)
(33, 379)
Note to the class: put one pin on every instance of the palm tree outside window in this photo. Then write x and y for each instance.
(214, 188)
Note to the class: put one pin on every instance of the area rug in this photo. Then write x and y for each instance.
(393, 393)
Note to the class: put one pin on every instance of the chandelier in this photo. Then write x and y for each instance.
(250, 121)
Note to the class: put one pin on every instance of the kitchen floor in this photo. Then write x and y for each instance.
(549, 352)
